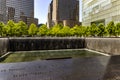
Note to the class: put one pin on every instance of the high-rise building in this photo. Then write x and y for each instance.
(17, 10)
(63, 11)
(100, 11)
(2, 10)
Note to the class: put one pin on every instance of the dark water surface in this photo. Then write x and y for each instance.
(92, 67)
(48, 55)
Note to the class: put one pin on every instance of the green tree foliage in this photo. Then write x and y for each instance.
(1, 28)
(65, 31)
(101, 30)
(93, 30)
(10, 28)
(87, 31)
(4, 31)
(21, 28)
(117, 29)
(43, 30)
(111, 28)
(54, 31)
(77, 30)
(83, 30)
(72, 32)
(32, 30)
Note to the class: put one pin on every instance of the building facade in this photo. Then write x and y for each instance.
(63, 11)
(2, 10)
(100, 11)
(17, 10)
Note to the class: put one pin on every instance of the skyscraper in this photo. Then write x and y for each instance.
(17, 10)
(100, 11)
(2, 10)
(63, 11)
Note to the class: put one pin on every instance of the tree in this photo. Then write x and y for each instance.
(32, 30)
(65, 31)
(101, 30)
(83, 31)
(72, 32)
(87, 31)
(93, 30)
(43, 30)
(111, 28)
(55, 30)
(22, 28)
(1, 28)
(78, 30)
(117, 29)
(10, 28)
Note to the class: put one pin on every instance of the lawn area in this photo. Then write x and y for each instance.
(48, 54)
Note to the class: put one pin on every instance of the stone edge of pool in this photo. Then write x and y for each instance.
(110, 46)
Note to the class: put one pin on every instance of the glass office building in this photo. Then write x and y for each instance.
(17, 10)
(100, 11)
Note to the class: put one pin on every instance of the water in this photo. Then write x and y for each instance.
(48, 55)
(3, 46)
(84, 68)
(60, 65)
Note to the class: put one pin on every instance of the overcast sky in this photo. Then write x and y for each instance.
(41, 10)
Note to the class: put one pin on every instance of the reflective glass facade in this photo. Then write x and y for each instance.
(17, 10)
(100, 11)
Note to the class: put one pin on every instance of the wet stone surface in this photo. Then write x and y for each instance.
(30, 44)
(89, 68)
(113, 69)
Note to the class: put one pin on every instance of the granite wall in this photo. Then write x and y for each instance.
(3, 45)
(107, 45)
(28, 44)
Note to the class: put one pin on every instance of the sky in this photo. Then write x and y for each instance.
(41, 10)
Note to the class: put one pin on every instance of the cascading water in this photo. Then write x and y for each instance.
(3, 45)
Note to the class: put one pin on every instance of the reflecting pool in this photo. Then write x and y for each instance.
(77, 64)
(48, 55)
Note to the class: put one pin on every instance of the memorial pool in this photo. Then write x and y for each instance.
(25, 56)
(73, 64)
